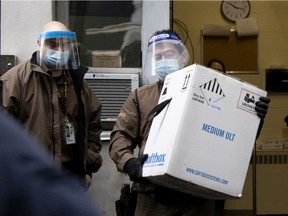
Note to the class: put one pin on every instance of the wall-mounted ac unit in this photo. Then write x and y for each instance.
(112, 87)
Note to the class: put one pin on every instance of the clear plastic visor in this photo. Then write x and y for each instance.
(167, 51)
(58, 50)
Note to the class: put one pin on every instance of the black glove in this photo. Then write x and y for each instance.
(133, 168)
(261, 109)
(262, 106)
(286, 120)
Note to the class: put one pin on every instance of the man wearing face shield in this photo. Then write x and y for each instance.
(49, 96)
(58, 50)
(166, 54)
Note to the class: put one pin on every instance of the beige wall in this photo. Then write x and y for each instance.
(271, 18)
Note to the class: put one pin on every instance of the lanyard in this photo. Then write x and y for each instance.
(63, 97)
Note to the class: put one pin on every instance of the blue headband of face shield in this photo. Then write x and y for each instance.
(57, 34)
(160, 37)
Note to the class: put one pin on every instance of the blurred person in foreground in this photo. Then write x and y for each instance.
(166, 54)
(30, 183)
(49, 96)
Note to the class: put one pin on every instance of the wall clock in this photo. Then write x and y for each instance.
(235, 9)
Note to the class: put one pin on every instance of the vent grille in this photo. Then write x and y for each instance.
(263, 159)
(272, 159)
(112, 93)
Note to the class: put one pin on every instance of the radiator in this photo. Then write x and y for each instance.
(271, 185)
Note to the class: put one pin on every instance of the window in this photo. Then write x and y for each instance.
(108, 32)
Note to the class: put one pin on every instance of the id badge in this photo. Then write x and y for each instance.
(69, 132)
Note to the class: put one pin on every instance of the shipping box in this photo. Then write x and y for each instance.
(201, 143)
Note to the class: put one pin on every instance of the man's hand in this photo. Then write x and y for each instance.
(262, 106)
(133, 168)
(261, 109)
(286, 120)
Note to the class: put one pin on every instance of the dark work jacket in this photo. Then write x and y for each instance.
(30, 94)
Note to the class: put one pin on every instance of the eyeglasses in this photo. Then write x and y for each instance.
(168, 54)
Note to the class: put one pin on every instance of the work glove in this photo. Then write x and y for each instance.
(133, 168)
(261, 109)
(286, 120)
(262, 106)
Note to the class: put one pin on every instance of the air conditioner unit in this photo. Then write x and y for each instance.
(112, 86)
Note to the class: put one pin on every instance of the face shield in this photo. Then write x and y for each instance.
(58, 50)
(165, 54)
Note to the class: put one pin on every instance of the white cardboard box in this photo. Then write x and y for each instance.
(201, 142)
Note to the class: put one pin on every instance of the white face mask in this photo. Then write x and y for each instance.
(165, 67)
(56, 58)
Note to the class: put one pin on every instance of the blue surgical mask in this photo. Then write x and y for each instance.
(165, 67)
(56, 58)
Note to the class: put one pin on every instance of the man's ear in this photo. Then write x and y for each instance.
(38, 42)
